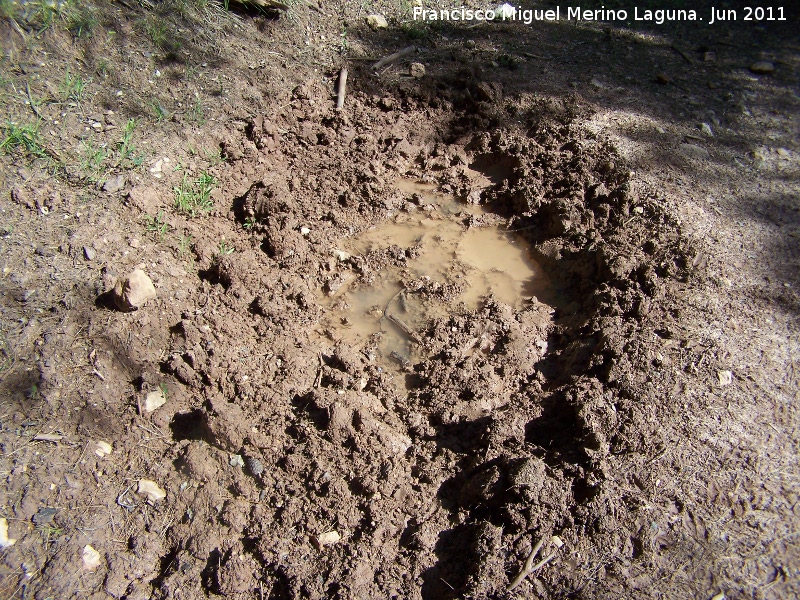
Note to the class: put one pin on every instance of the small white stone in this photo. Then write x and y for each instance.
(328, 538)
(102, 448)
(154, 400)
(5, 542)
(305, 230)
(151, 490)
(506, 11)
(91, 558)
(725, 378)
(377, 22)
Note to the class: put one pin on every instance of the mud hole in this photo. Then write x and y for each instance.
(436, 474)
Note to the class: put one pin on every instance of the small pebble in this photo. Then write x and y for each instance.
(762, 67)
(91, 558)
(255, 466)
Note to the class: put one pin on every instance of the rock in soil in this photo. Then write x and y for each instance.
(91, 558)
(5, 541)
(134, 291)
(762, 67)
(151, 490)
(377, 22)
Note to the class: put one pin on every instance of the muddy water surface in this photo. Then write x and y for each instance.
(475, 262)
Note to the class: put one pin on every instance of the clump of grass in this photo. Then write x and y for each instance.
(197, 112)
(72, 88)
(126, 151)
(161, 113)
(83, 22)
(45, 13)
(8, 9)
(194, 197)
(249, 223)
(225, 249)
(24, 137)
(93, 160)
(158, 32)
(185, 248)
(157, 225)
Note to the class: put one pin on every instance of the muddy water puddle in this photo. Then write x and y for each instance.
(446, 266)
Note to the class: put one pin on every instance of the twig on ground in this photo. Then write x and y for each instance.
(526, 569)
(393, 57)
(342, 89)
(683, 55)
(47, 437)
(529, 567)
(405, 328)
(30, 99)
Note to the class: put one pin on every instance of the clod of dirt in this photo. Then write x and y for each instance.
(91, 558)
(417, 70)
(762, 67)
(154, 400)
(44, 516)
(693, 151)
(133, 291)
(327, 539)
(114, 184)
(377, 22)
(5, 541)
(151, 490)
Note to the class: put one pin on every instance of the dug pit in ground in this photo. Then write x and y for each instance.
(502, 419)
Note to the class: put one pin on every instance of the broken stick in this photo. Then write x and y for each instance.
(341, 90)
(529, 567)
(405, 328)
(393, 57)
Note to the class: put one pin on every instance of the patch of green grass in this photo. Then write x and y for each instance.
(45, 13)
(126, 151)
(93, 160)
(225, 249)
(161, 113)
(214, 157)
(197, 112)
(415, 30)
(194, 197)
(249, 222)
(158, 32)
(72, 88)
(83, 21)
(24, 138)
(157, 225)
(8, 9)
(104, 68)
(185, 248)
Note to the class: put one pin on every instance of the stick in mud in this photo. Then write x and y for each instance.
(393, 57)
(341, 90)
(405, 328)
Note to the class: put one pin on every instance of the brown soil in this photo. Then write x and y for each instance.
(642, 411)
